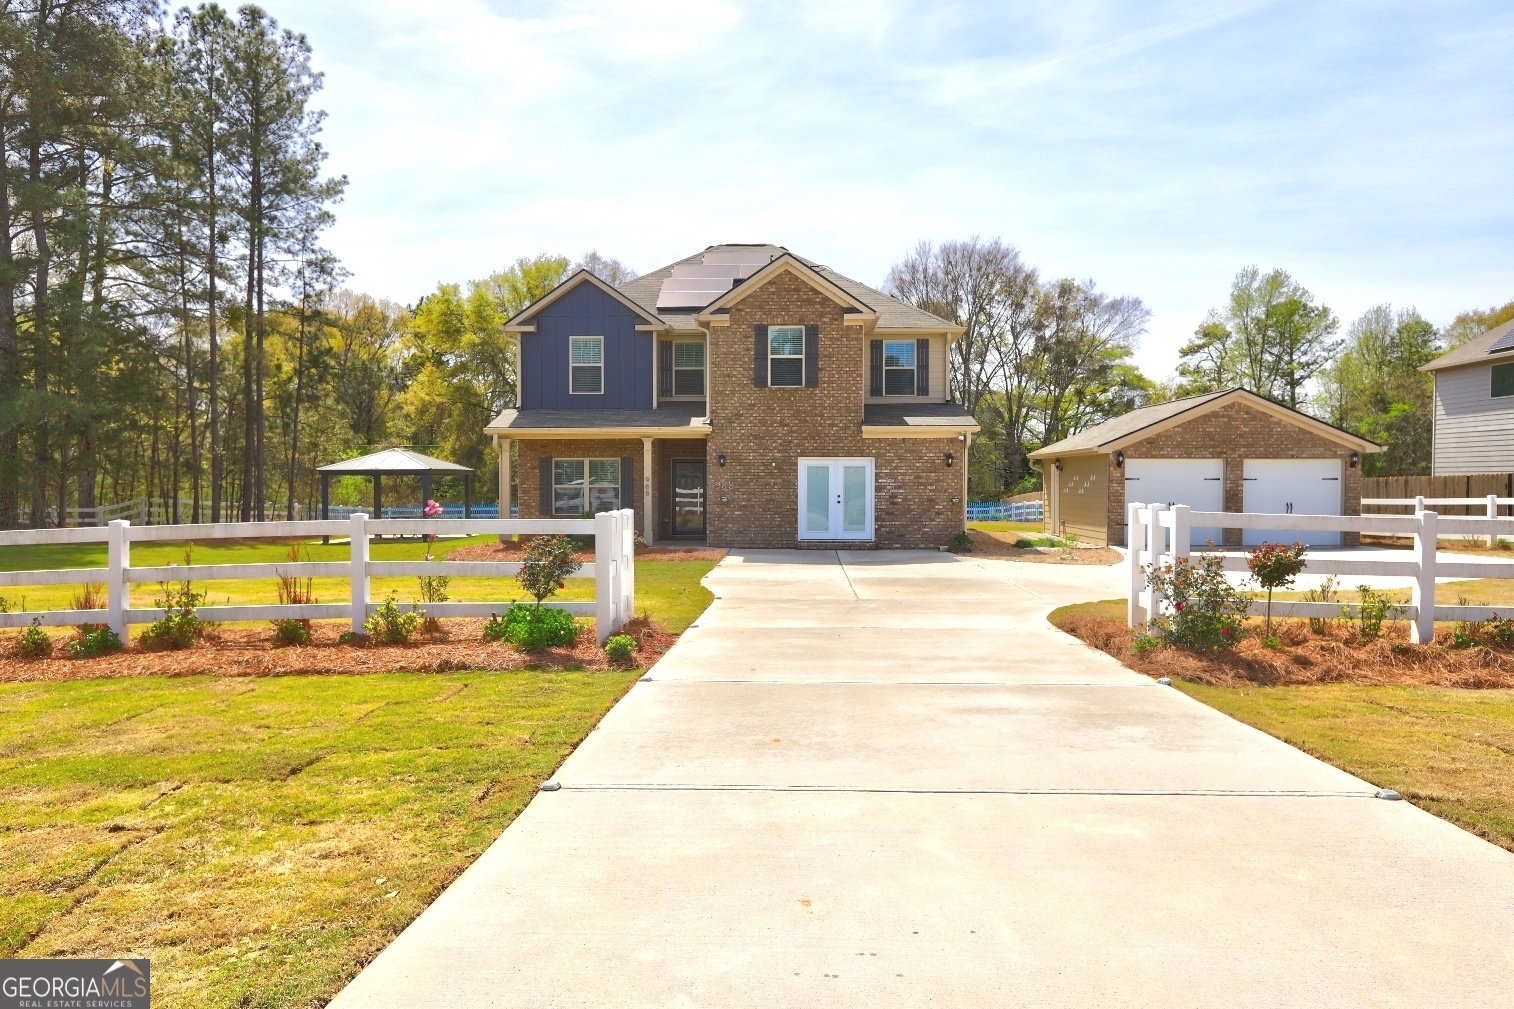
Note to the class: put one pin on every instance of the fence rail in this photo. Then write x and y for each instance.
(613, 568)
(1161, 534)
(1015, 511)
(160, 511)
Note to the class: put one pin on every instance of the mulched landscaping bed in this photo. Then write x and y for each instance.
(1335, 656)
(1002, 545)
(513, 550)
(460, 645)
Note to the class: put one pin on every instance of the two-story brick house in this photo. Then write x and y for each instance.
(745, 396)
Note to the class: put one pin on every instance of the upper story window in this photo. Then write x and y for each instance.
(899, 367)
(688, 369)
(586, 364)
(585, 485)
(1503, 379)
(786, 356)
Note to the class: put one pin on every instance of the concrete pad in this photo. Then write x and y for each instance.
(1006, 653)
(1111, 738)
(638, 898)
(963, 807)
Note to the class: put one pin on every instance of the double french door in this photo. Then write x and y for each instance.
(835, 499)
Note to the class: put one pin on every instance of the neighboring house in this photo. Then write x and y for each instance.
(744, 396)
(1474, 405)
(1226, 451)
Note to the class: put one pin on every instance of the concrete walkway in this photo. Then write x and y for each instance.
(881, 779)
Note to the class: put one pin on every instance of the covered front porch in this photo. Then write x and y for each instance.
(559, 463)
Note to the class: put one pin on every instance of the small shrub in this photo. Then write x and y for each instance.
(1275, 566)
(291, 631)
(91, 596)
(391, 625)
(33, 642)
(92, 640)
(5, 605)
(179, 626)
(1206, 610)
(532, 628)
(621, 648)
(1326, 593)
(1141, 643)
(546, 565)
(1374, 608)
(349, 638)
(961, 543)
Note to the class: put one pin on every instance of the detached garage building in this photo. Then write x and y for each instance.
(1225, 451)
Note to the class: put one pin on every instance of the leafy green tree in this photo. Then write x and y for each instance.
(1476, 322)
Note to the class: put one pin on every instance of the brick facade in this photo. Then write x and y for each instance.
(528, 471)
(753, 501)
(1235, 433)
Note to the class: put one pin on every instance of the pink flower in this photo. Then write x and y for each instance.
(432, 509)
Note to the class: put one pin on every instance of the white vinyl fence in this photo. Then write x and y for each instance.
(1159, 534)
(613, 568)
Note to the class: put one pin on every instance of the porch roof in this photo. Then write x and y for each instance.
(671, 420)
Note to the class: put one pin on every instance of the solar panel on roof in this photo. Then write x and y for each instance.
(694, 285)
(1505, 342)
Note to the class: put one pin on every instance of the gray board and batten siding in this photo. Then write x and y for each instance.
(1474, 430)
(586, 311)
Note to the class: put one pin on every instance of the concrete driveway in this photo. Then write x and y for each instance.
(881, 779)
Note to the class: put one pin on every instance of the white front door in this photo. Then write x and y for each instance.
(1293, 487)
(1197, 483)
(835, 499)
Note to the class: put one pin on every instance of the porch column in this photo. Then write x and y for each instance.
(648, 520)
(504, 478)
(967, 451)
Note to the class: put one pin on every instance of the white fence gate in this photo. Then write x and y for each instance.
(1160, 534)
(613, 568)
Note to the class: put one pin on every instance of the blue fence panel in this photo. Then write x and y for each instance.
(994, 511)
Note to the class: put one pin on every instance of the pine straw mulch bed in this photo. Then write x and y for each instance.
(514, 550)
(251, 651)
(1337, 655)
(1002, 545)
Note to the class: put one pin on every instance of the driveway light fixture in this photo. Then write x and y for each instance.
(1119, 460)
(1356, 459)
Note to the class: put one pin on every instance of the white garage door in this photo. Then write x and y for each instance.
(1293, 487)
(1197, 483)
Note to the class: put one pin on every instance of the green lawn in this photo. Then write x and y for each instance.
(1449, 751)
(261, 839)
(668, 590)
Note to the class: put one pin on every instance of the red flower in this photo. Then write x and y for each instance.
(1225, 631)
(1179, 606)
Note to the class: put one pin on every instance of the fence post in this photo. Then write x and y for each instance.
(1419, 503)
(1135, 542)
(359, 574)
(1492, 514)
(605, 563)
(627, 566)
(1179, 532)
(1423, 631)
(1150, 598)
(118, 589)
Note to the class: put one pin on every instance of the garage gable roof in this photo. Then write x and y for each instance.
(1137, 425)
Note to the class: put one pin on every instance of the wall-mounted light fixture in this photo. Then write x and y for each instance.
(950, 458)
(1058, 464)
(1356, 459)
(1119, 460)
(720, 459)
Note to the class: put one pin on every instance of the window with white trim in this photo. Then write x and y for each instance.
(786, 356)
(688, 368)
(585, 485)
(586, 364)
(899, 367)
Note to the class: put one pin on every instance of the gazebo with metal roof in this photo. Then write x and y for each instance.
(395, 462)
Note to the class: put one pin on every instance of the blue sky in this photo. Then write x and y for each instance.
(1154, 147)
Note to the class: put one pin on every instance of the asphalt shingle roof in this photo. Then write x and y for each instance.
(892, 313)
(687, 413)
(917, 415)
(1475, 351)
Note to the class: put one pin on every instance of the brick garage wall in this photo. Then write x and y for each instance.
(663, 453)
(754, 498)
(528, 473)
(1236, 433)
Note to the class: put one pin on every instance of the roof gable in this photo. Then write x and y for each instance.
(1138, 425)
(1476, 351)
(521, 322)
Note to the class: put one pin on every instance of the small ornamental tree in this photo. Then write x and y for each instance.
(548, 563)
(1275, 566)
